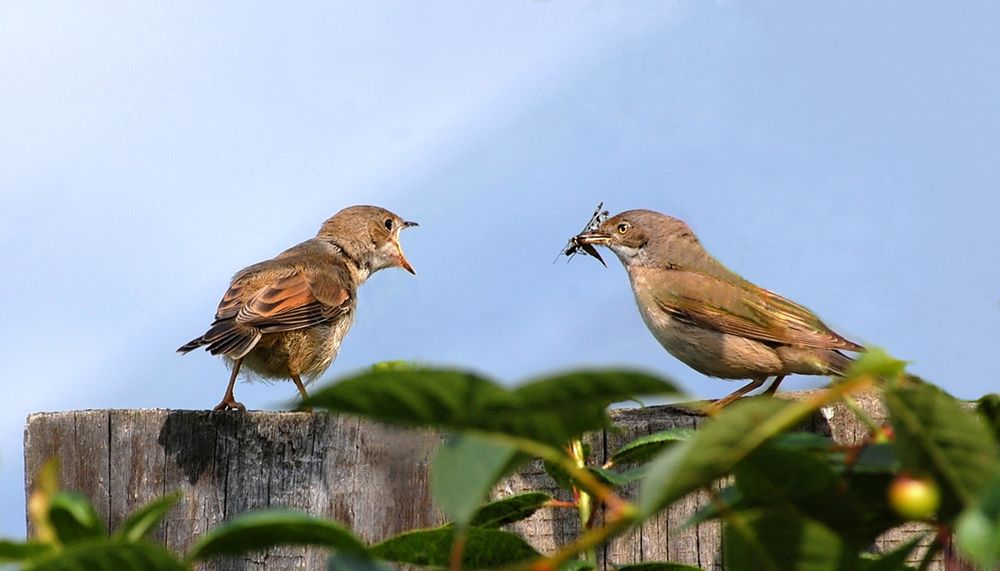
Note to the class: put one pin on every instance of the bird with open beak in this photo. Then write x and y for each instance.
(286, 317)
(709, 317)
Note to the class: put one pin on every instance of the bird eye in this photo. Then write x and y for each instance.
(388, 224)
(623, 228)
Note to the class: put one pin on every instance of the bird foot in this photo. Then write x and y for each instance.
(229, 403)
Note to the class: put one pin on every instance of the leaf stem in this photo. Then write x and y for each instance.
(584, 505)
(559, 504)
(457, 550)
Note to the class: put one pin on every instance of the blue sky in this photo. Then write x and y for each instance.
(845, 156)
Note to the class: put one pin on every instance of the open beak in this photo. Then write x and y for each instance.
(596, 238)
(403, 262)
(586, 242)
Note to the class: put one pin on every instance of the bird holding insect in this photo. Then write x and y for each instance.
(707, 316)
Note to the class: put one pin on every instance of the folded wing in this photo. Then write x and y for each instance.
(295, 300)
(745, 310)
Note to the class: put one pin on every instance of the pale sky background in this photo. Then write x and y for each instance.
(844, 155)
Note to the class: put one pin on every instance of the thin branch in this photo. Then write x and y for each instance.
(559, 504)
(457, 551)
(584, 501)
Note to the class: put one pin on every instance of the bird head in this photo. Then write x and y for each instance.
(642, 238)
(369, 235)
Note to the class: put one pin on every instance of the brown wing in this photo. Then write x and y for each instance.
(300, 299)
(745, 310)
(231, 302)
(295, 300)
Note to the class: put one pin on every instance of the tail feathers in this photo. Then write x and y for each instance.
(225, 339)
(191, 345)
(235, 345)
(838, 363)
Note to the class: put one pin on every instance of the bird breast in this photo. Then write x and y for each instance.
(307, 352)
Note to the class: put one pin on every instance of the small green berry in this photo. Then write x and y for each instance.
(914, 498)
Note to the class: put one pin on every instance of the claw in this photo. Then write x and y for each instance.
(229, 403)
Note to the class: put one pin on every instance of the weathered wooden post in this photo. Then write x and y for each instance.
(373, 478)
(368, 476)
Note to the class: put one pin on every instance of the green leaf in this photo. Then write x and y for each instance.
(600, 388)
(877, 459)
(419, 397)
(807, 441)
(356, 562)
(509, 509)
(258, 531)
(715, 449)
(397, 365)
(878, 363)
(616, 478)
(645, 447)
(142, 521)
(804, 481)
(978, 528)
(73, 518)
(989, 407)
(937, 437)
(109, 555)
(863, 512)
(464, 471)
(895, 560)
(756, 541)
(484, 548)
(787, 478)
(22, 551)
(657, 566)
(560, 408)
(726, 500)
(558, 475)
(552, 410)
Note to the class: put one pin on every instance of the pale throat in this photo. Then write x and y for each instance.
(360, 273)
(640, 287)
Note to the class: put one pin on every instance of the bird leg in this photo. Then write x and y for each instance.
(754, 384)
(301, 387)
(774, 386)
(229, 401)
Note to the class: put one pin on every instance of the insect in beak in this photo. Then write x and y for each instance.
(589, 236)
(585, 242)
